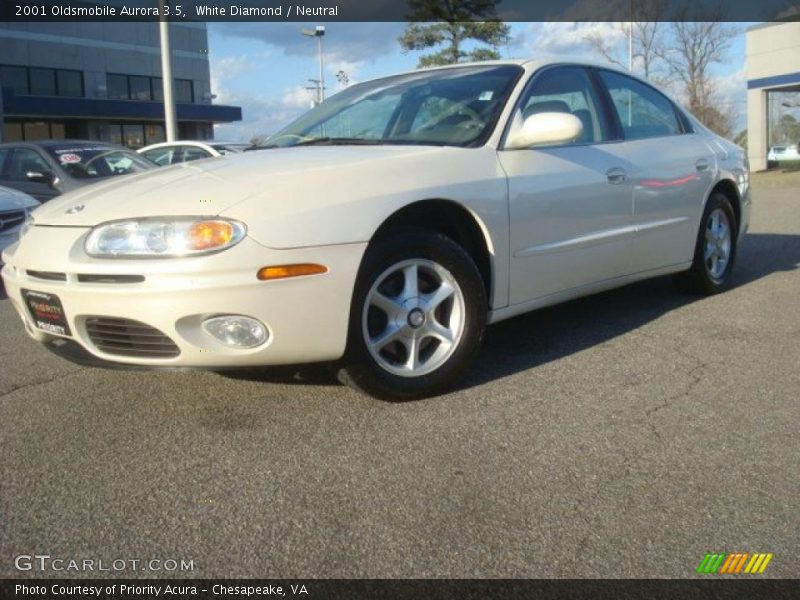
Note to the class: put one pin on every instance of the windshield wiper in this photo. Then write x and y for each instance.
(339, 141)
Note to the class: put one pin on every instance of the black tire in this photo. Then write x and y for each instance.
(361, 370)
(699, 279)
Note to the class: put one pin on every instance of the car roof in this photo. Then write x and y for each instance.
(531, 64)
(536, 62)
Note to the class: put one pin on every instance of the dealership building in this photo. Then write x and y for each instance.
(102, 81)
(773, 89)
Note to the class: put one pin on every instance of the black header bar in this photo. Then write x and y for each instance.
(394, 10)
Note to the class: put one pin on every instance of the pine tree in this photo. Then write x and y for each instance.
(453, 22)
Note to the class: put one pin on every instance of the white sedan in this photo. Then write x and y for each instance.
(386, 228)
(172, 153)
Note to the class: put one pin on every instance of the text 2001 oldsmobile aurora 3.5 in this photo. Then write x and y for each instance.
(384, 229)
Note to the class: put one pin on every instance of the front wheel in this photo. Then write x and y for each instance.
(417, 319)
(715, 249)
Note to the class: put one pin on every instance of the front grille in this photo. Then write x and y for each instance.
(85, 278)
(47, 275)
(125, 337)
(11, 218)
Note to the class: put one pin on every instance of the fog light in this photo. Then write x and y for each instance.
(236, 331)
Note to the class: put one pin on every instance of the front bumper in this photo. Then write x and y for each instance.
(307, 317)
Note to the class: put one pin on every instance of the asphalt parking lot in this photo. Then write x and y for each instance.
(622, 435)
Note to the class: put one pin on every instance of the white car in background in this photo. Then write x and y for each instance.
(15, 207)
(386, 227)
(781, 153)
(171, 153)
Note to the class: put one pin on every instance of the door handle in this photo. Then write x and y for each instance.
(702, 165)
(616, 176)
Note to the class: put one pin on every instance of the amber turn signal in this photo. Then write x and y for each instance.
(206, 235)
(284, 271)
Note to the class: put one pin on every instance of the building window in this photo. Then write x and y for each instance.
(158, 89)
(36, 130)
(15, 78)
(137, 87)
(28, 131)
(70, 83)
(35, 81)
(117, 87)
(140, 88)
(12, 132)
(133, 135)
(57, 131)
(183, 91)
(43, 82)
(153, 134)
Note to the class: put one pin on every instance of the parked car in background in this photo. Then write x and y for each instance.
(15, 206)
(171, 153)
(47, 169)
(781, 153)
(385, 228)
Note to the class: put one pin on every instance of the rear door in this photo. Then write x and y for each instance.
(570, 204)
(672, 169)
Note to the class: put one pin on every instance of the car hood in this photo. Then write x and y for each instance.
(211, 186)
(11, 199)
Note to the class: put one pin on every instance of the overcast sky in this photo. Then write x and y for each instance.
(265, 67)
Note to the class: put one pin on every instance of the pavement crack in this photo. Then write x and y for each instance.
(34, 384)
(695, 377)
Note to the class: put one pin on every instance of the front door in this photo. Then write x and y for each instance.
(570, 205)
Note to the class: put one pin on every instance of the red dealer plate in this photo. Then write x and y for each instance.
(46, 312)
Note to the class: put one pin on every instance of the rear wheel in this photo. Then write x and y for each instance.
(715, 249)
(417, 318)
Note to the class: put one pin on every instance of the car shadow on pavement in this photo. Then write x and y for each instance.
(554, 332)
(547, 334)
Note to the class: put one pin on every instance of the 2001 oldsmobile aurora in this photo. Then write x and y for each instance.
(389, 225)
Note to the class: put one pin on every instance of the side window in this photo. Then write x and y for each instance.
(643, 112)
(160, 156)
(192, 153)
(24, 160)
(568, 90)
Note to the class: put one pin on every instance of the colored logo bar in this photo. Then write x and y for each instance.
(734, 563)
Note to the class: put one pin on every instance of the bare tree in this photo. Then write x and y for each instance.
(646, 39)
(697, 45)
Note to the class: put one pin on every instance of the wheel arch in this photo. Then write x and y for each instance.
(728, 188)
(452, 219)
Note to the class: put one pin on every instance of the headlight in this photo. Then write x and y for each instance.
(166, 237)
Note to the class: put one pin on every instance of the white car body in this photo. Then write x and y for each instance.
(15, 206)
(781, 153)
(169, 153)
(557, 223)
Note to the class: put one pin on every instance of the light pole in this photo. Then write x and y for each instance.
(170, 125)
(318, 32)
(630, 38)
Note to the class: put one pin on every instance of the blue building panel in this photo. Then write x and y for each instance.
(776, 81)
(93, 108)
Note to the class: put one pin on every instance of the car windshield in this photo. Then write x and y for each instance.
(90, 162)
(445, 107)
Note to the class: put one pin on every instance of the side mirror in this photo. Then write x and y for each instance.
(546, 128)
(41, 177)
